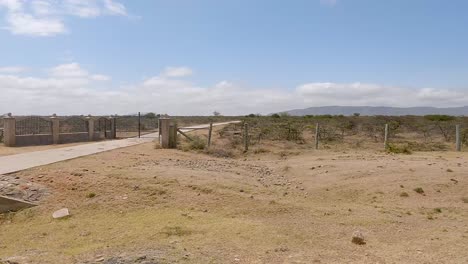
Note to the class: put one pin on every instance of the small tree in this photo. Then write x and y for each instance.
(150, 115)
(216, 113)
(444, 123)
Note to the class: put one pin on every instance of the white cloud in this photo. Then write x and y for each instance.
(177, 72)
(11, 4)
(25, 24)
(75, 71)
(71, 89)
(100, 77)
(82, 8)
(115, 8)
(70, 70)
(46, 17)
(12, 69)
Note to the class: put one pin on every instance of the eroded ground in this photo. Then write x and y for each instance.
(147, 205)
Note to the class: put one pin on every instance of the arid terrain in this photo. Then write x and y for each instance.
(281, 204)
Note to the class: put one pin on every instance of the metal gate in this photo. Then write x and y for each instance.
(104, 127)
(136, 126)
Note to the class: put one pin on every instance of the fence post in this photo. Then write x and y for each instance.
(139, 125)
(209, 134)
(9, 130)
(164, 131)
(90, 127)
(458, 137)
(386, 136)
(159, 128)
(113, 125)
(317, 135)
(173, 136)
(246, 137)
(55, 129)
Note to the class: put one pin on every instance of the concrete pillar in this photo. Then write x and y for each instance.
(173, 136)
(165, 132)
(90, 120)
(55, 129)
(9, 131)
(113, 134)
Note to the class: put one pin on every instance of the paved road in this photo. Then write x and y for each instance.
(18, 162)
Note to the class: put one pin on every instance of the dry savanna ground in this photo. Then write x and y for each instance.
(282, 203)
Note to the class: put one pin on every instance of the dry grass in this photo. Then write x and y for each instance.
(265, 206)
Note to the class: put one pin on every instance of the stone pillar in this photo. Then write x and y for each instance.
(55, 129)
(9, 131)
(165, 132)
(90, 120)
(173, 136)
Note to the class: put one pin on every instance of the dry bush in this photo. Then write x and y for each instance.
(399, 149)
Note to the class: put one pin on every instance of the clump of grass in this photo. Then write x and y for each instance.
(449, 170)
(197, 143)
(220, 152)
(419, 190)
(202, 189)
(465, 199)
(404, 194)
(399, 149)
(438, 210)
(91, 195)
(175, 231)
(260, 150)
(430, 217)
(158, 191)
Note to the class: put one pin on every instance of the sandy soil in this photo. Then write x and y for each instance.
(147, 205)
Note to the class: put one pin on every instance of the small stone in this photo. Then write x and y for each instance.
(62, 213)
(358, 238)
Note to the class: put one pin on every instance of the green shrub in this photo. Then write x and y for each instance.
(399, 149)
(197, 143)
(419, 190)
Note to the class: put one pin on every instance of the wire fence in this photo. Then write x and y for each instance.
(33, 125)
(430, 133)
(73, 124)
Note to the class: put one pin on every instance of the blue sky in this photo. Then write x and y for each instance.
(231, 56)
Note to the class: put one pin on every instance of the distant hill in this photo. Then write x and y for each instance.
(379, 110)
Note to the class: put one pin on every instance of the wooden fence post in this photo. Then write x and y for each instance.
(246, 137)
(9, 130)
(317, 135)
(386, 136)
(458, 137)
(55, 129)
(209, 134)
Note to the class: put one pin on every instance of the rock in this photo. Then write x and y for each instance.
(62, 213)
(358, 238)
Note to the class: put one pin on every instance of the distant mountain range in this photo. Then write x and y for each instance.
(379, 110)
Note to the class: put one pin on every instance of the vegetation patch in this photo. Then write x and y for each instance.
(176, 231)
(399, 149)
